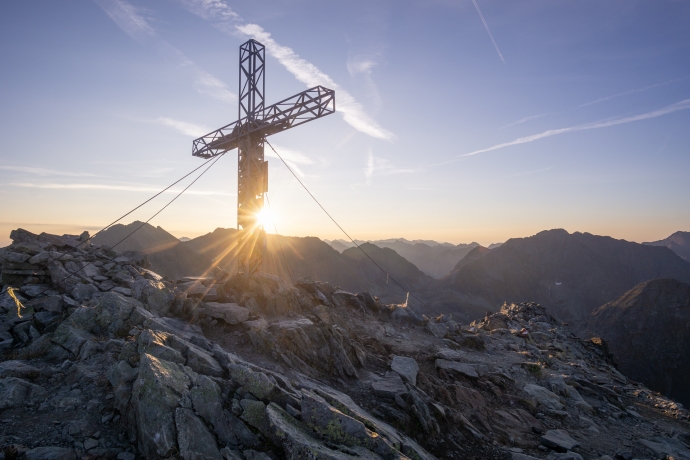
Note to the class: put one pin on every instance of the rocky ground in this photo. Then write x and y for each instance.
(104, 359)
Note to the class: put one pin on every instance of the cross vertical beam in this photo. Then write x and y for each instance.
(252, 171)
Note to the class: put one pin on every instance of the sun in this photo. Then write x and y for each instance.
(264, 218)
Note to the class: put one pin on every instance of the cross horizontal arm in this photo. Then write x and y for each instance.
(306, 106)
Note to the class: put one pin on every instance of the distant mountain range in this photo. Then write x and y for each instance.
(679, 243)
(168, 255)
(570, 274)
(287, 257)
(646, 331)
(431, 257)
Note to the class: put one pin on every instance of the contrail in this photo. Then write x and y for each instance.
(682, 105)
(487, 29)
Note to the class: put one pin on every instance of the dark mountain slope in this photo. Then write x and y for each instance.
(679, 243)
(405, 272)
(434, 260)
(168, 255)
(474, 254)
(570, 274)
(295, 257)
(648, 333)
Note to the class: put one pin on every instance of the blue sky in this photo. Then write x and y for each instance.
(569, 114)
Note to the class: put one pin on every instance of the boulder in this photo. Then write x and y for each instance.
(389, 386)
(337, 428)
(154, 294)
(468, 370)
(558, 440)
(118, 314)
(257, 383)
(296, 440)
(203, 362)
(155, 396)
(51, 453)
(544, 397)
(84, 291)
(18, 369)
(231, 313)
(121, 373)
(194, 439)
(407, 368)
(14, 391)
(439, 330)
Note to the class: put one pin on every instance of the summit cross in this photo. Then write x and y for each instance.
(255, 122)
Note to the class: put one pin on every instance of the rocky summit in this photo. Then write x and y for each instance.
(102, 358)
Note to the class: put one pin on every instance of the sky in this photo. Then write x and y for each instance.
(457, 120)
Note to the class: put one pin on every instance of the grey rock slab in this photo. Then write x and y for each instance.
(406, 367)
(82, 291)
(18, 369)
(122, 290)
(208, 404)
(468, 370)
(296, 440)
(558, 440)
(256, 324)
(231, 313)
(154, 294)
(257, 383)
(661, 447)
(15, 391)
(389, 386)
(255, 455)
(156, 394)
(203, 362)
(71, 338)
(544, 397)
(33, 290)
(47, 321)
(334, 426)
(119, 314)
(518, 456)
(564, 456)
(51, 453)
(194, 439)
(439, 330)
(230, 454)
(120, 373)
(451, 355)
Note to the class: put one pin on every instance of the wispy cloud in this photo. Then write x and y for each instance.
(128, 17)
(486, 26)
(598, 101)
(120, 188)
(310, 75)
(682, 105)
(134, 22)
(44, 172)
(361, 65)
(523, 120)
(626, 93)
(188, 129)
(225, 19)
(382, 167)
(293, 158)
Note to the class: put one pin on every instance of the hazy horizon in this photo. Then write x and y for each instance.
(571, 115)
(75, 230)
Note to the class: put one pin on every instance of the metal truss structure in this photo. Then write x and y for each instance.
(248, 134)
